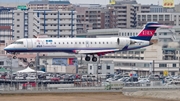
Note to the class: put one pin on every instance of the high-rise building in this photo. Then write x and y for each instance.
(6, 20)
(177, 8)
(6, 26)
(48, 5)
(94, 16)
(163, 18)
(156, 8)
(126, 12)
(49, 22)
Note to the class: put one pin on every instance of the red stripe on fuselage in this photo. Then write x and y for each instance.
(147, 33)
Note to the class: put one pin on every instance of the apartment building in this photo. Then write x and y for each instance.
(6, 20)
(6, 26)
(48, 5)
(163, 18)
(127, 12)
(94, 16)
(51, 23)
(177, 8)
(156, 8)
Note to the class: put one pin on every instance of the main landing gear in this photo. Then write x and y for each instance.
(14, 55)
(88, 58)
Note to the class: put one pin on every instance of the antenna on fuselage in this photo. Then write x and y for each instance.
(34, 36)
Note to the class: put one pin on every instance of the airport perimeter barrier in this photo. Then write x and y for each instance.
(6, 87)
(150, 88)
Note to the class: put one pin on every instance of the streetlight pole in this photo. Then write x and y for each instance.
(36, 62)
(11, 69)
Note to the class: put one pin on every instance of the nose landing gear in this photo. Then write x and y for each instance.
(14, 55)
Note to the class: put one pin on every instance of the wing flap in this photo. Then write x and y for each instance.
(98, 52)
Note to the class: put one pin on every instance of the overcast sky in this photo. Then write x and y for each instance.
(95, 1)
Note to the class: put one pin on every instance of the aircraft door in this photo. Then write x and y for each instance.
(87, 43)
(29, 44)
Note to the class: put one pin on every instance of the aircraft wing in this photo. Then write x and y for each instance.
(98, 52)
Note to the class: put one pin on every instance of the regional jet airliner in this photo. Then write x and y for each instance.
(90, 46)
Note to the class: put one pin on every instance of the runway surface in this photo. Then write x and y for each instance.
(74, 97)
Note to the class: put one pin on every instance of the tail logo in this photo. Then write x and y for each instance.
(147, 33)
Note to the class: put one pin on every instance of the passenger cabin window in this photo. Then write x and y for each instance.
(18, 42)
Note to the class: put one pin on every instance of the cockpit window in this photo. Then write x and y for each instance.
(18, 42)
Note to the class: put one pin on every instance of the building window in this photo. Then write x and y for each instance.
(108, 67)
(99, 67)
(137, 52)
(90, 67)
(161, 73)
(174, 65)
(162, 65)
(1, 62)
(18, 20)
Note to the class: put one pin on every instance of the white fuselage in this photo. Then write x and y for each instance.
(72, 44)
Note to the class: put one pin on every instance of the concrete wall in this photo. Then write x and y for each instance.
(153, 52)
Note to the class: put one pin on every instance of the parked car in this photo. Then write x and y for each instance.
(55, 79)
(31, 78)
(144, 80)
(19, 78)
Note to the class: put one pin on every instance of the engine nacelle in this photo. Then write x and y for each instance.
(122, 42)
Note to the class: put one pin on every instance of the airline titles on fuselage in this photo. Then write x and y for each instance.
(46, 46)
(47, 41)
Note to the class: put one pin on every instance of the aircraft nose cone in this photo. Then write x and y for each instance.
(5, 48)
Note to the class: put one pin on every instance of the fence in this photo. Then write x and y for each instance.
(86, 86)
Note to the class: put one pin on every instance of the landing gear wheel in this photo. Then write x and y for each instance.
(14, 57)
(94, 59)
(87, 58)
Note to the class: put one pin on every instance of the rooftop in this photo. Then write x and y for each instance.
(50, 2)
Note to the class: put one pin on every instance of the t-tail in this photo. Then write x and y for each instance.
(148, 31)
